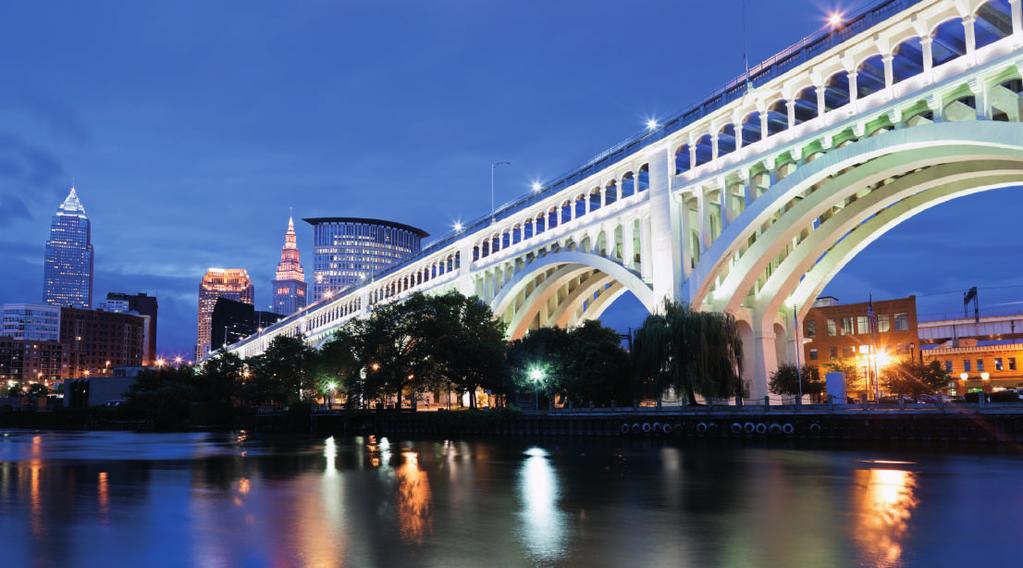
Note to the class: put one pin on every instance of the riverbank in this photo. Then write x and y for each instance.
(998, 424)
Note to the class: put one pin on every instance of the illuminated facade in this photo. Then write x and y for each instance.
(96, 342)
(350, 250)
(843, 334)
(67, 278)
(31, 322)
(230, 283)
(289, 281)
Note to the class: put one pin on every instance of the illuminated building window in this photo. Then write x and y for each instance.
(980, 365)
(884, 324)
(832, 328)
(902, 322)
(862, 325)
(966, 365)
(998, 364)
(1012, 363)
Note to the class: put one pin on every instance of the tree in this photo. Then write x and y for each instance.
(282, 374)
(910, 378)
(162, 395)
(220, 379)
(786, 381)
(539, 361)
(855, 382)
(597, 367)
(337, 362)
(694, 352)
(469, 345)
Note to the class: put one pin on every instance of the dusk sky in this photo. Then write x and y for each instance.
(191, 127)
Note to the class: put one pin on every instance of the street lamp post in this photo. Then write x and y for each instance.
(537, 376)
(493, 167)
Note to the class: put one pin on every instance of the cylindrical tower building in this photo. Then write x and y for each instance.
(348, 250)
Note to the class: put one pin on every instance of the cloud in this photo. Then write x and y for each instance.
(23, 164)
(11, 208)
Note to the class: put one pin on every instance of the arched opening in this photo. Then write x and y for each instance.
(907, 60)
(595, 199)
(726, 140)
(580, 205)
(610, 193)
(1007, 100)
(751, 131)
(994, 22)
(836, 91)
(552, 217)
(949, 41)
(870, 76)
(628, 185)
(704, 150)
(683, 159)
(565, 288)
(643, 180)
(806, 105)
(777, 117)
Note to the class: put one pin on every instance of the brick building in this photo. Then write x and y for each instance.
(842, 333)
(973, 366)
(24, 360)
(95, 341)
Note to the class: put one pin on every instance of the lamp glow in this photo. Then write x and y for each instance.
(457, 226)
(836, 19)
(536, 186)
(536, 374)
(651, 124)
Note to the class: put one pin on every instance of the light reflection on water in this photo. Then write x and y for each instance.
(76, 499)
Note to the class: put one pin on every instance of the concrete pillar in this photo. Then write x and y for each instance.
(853, 89)
(822, 105)
(664, 229)
(713, 146)
(645, 250)
(681, 205)
(628, 245)
(790, 105)
(723, 202)
(971, 37)
(704, 215)
(926, 44)
(764, 358)
(1017, 16)
(889, 71)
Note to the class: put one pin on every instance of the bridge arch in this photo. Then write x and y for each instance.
(564, 288)
(848, 198)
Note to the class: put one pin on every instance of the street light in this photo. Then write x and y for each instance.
(536, 374)
(536, 186)
(836, 19)
(331, 387)
(651, 124)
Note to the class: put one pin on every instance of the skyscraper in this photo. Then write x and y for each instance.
(349, 249)
(67, 278)
(230, 283)
(289, 282)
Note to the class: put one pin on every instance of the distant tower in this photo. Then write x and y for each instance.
(67, 273)
(289, 282)
(230, 283)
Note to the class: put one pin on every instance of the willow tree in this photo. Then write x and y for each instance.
(693, 352)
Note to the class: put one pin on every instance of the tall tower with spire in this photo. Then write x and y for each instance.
(289, 282)
(67, 273)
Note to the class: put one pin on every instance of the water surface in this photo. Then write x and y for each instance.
(120, 499)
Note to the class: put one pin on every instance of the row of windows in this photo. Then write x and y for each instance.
(1000, 364)
(849, 351)
(857, 325)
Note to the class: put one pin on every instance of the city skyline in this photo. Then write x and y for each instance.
(230, 200)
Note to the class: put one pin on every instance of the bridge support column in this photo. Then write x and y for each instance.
(765, 360)
(664, 231)
(1017, 18)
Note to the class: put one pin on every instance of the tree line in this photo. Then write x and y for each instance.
(451, 343)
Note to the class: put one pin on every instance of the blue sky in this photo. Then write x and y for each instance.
(190, 128)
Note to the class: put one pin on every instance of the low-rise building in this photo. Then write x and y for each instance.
(973, 366)
(845, 334)
(30, 361)
(34, 322)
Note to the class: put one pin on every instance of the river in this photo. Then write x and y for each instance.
(237, 499)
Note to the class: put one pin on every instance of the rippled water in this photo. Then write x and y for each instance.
(119, 499)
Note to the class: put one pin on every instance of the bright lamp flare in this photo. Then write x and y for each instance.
(536, 186)
(457, 226)
(651, 124)
(836, 19)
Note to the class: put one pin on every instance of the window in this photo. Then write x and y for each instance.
(832, 328)
(884, 325)
(980, 365)
(1012, 363)
(998, 364)
(847, 326)
(948, 366)
(862, 325)
(901, 322)
(813, 354)
(833, 352)
(810, 328)
(966, 365)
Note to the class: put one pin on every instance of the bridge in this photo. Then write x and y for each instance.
(752, 200)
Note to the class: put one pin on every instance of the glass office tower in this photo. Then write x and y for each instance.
(348, 250)
(67, 272)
